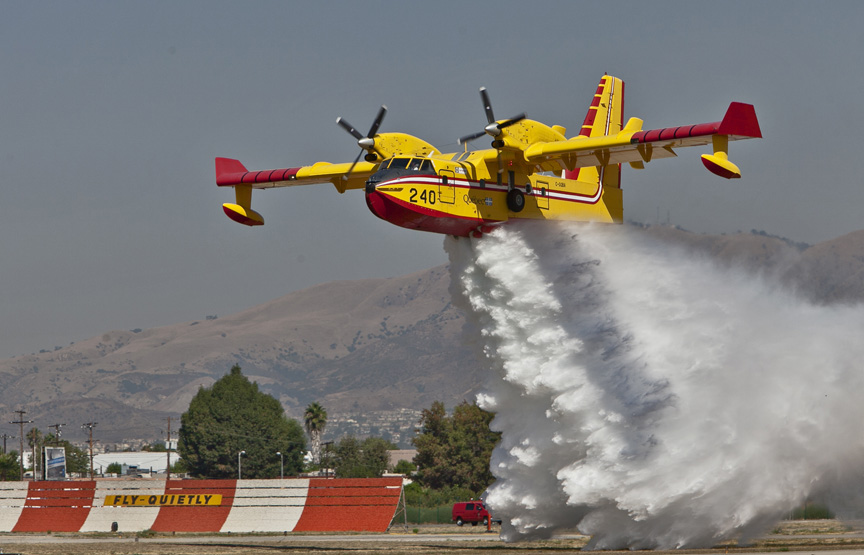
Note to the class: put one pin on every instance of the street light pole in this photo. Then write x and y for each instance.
(281, 465)
(239, 473)
(326, 445)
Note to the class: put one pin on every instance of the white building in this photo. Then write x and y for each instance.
(145, 461)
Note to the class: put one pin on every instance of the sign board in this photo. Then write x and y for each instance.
(55, 463)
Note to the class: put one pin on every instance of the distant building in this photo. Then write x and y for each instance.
(397, 455)
(144, 462)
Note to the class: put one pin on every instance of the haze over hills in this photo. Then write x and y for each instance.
(354, 346)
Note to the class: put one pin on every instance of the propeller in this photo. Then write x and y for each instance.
(493, 128)
(366, 143)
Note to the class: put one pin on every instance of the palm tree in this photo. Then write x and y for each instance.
(35, 441)
(315, 420)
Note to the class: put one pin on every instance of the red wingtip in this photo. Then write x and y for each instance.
(740, 120)
(227, 170)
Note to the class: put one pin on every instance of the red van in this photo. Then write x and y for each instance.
(470, 511)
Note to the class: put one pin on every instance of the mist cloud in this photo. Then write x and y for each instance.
(651, 397)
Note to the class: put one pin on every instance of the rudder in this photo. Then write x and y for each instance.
(605, 117)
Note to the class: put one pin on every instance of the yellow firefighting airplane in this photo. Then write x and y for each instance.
(532, 170)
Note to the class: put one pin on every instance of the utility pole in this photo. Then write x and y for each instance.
(57, 433)
(34, 432)
(21, 422)
(89, 426)
(168, 449)
(6, 436)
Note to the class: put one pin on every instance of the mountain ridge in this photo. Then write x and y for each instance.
(354, 346)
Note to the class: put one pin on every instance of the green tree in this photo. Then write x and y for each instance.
(9, 466)
(404, 467)
(234, 416)
(418, 496)
(432, 443)
(179, 467)
(114, 468)
(455, 451)
(367, 459)
(315, 420)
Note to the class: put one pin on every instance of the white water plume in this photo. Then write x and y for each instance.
(652, 398)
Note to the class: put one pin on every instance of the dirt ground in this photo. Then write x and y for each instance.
(419, 540)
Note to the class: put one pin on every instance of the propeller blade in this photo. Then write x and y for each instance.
(511, 121)
(349, 128)
(351, 169)
(493, 128)
(471, 137)
(377, 123)
(487, 105)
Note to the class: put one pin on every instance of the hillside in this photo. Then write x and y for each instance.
(354, 346)
(826, 273)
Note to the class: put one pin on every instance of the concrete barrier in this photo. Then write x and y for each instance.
(280, 505)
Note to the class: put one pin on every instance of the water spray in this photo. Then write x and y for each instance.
(650, 397)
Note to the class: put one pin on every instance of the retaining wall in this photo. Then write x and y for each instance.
(289, 505)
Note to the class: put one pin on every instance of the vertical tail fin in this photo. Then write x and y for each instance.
(605, 117)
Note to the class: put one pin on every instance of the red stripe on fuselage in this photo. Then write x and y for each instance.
(474, 186)
(422, 218)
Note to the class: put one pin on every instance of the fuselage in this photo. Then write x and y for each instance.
(458, 196)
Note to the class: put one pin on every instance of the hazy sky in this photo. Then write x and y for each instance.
(112, 113)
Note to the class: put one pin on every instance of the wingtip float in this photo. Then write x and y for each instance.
(531, 171)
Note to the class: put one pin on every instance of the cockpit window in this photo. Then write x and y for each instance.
(410, 164)
(398, 167)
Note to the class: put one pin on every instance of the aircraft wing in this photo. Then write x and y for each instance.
(231, 173)
(635, 146)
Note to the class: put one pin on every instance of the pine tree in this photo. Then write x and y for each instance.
(233, 416)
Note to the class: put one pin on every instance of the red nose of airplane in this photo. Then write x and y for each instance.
(376, 203)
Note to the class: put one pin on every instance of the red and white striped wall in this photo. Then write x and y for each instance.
(289, 505)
